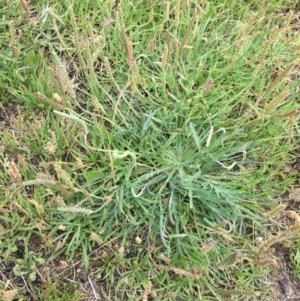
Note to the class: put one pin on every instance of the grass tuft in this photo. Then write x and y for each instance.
(148, 145)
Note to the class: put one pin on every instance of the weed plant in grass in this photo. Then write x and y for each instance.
(148, 140)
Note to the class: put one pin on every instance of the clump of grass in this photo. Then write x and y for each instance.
(151, 138)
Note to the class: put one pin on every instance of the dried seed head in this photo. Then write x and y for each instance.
(38, 207)
(185, 3)
(151, 13)
(63, 264)
(106, 23)
(177, 13)
(151, 44)
(96, 238)
(61, 227)
(266, 262)
(271, 106)
(206, 248)
(209, 84)
(95, 104)
(107, 198)
(57, 97)
(188, 32)
(165, 258)
(60, 201)
(138, 241)
(25, 7)
(108, 69)
(258, 68)
(282, 76)
(130, 54)
(14, 172)
(40, 227)
(108, 184)
(8, 295)
(79, 163)
(41, 97)
(275, 212)
(167, 11)
(49, 191)
(121, 251)
(50, 147)
(165, 56)
(44, 179)
(58, 246)
(264, 246)
(176, 45)
(147, 290)
(22, 162)
(293, 215)
(295, 227)
(63, 176)
(194, 275)
(61, 73)
(122, 30)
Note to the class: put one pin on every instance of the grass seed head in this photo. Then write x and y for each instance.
(39, 208)
(138, 240)
(63, 264)
(266, 262)
(278, 100)
(61, 228)
(41, 97)
(188, 32)
(122, 29)
(96, 238)
(130, 54)
(79, 163)
(62, 175)
(108, 69)
(121, 251)
(282, 76)
(177, 13)
(58, 246)
(22, 162)
(59, 201)
(8, 295)
(24, 5)
(165, 57)
(293, 215)
(295, 227)
(167, 11)
(274, 213)
(165, 258)
(13, 171)
(147, 291)
(151, 44)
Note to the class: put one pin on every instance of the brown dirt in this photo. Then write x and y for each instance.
(283, 283)
(6, 113)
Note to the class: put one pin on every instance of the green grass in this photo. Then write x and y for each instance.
(148, 140)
